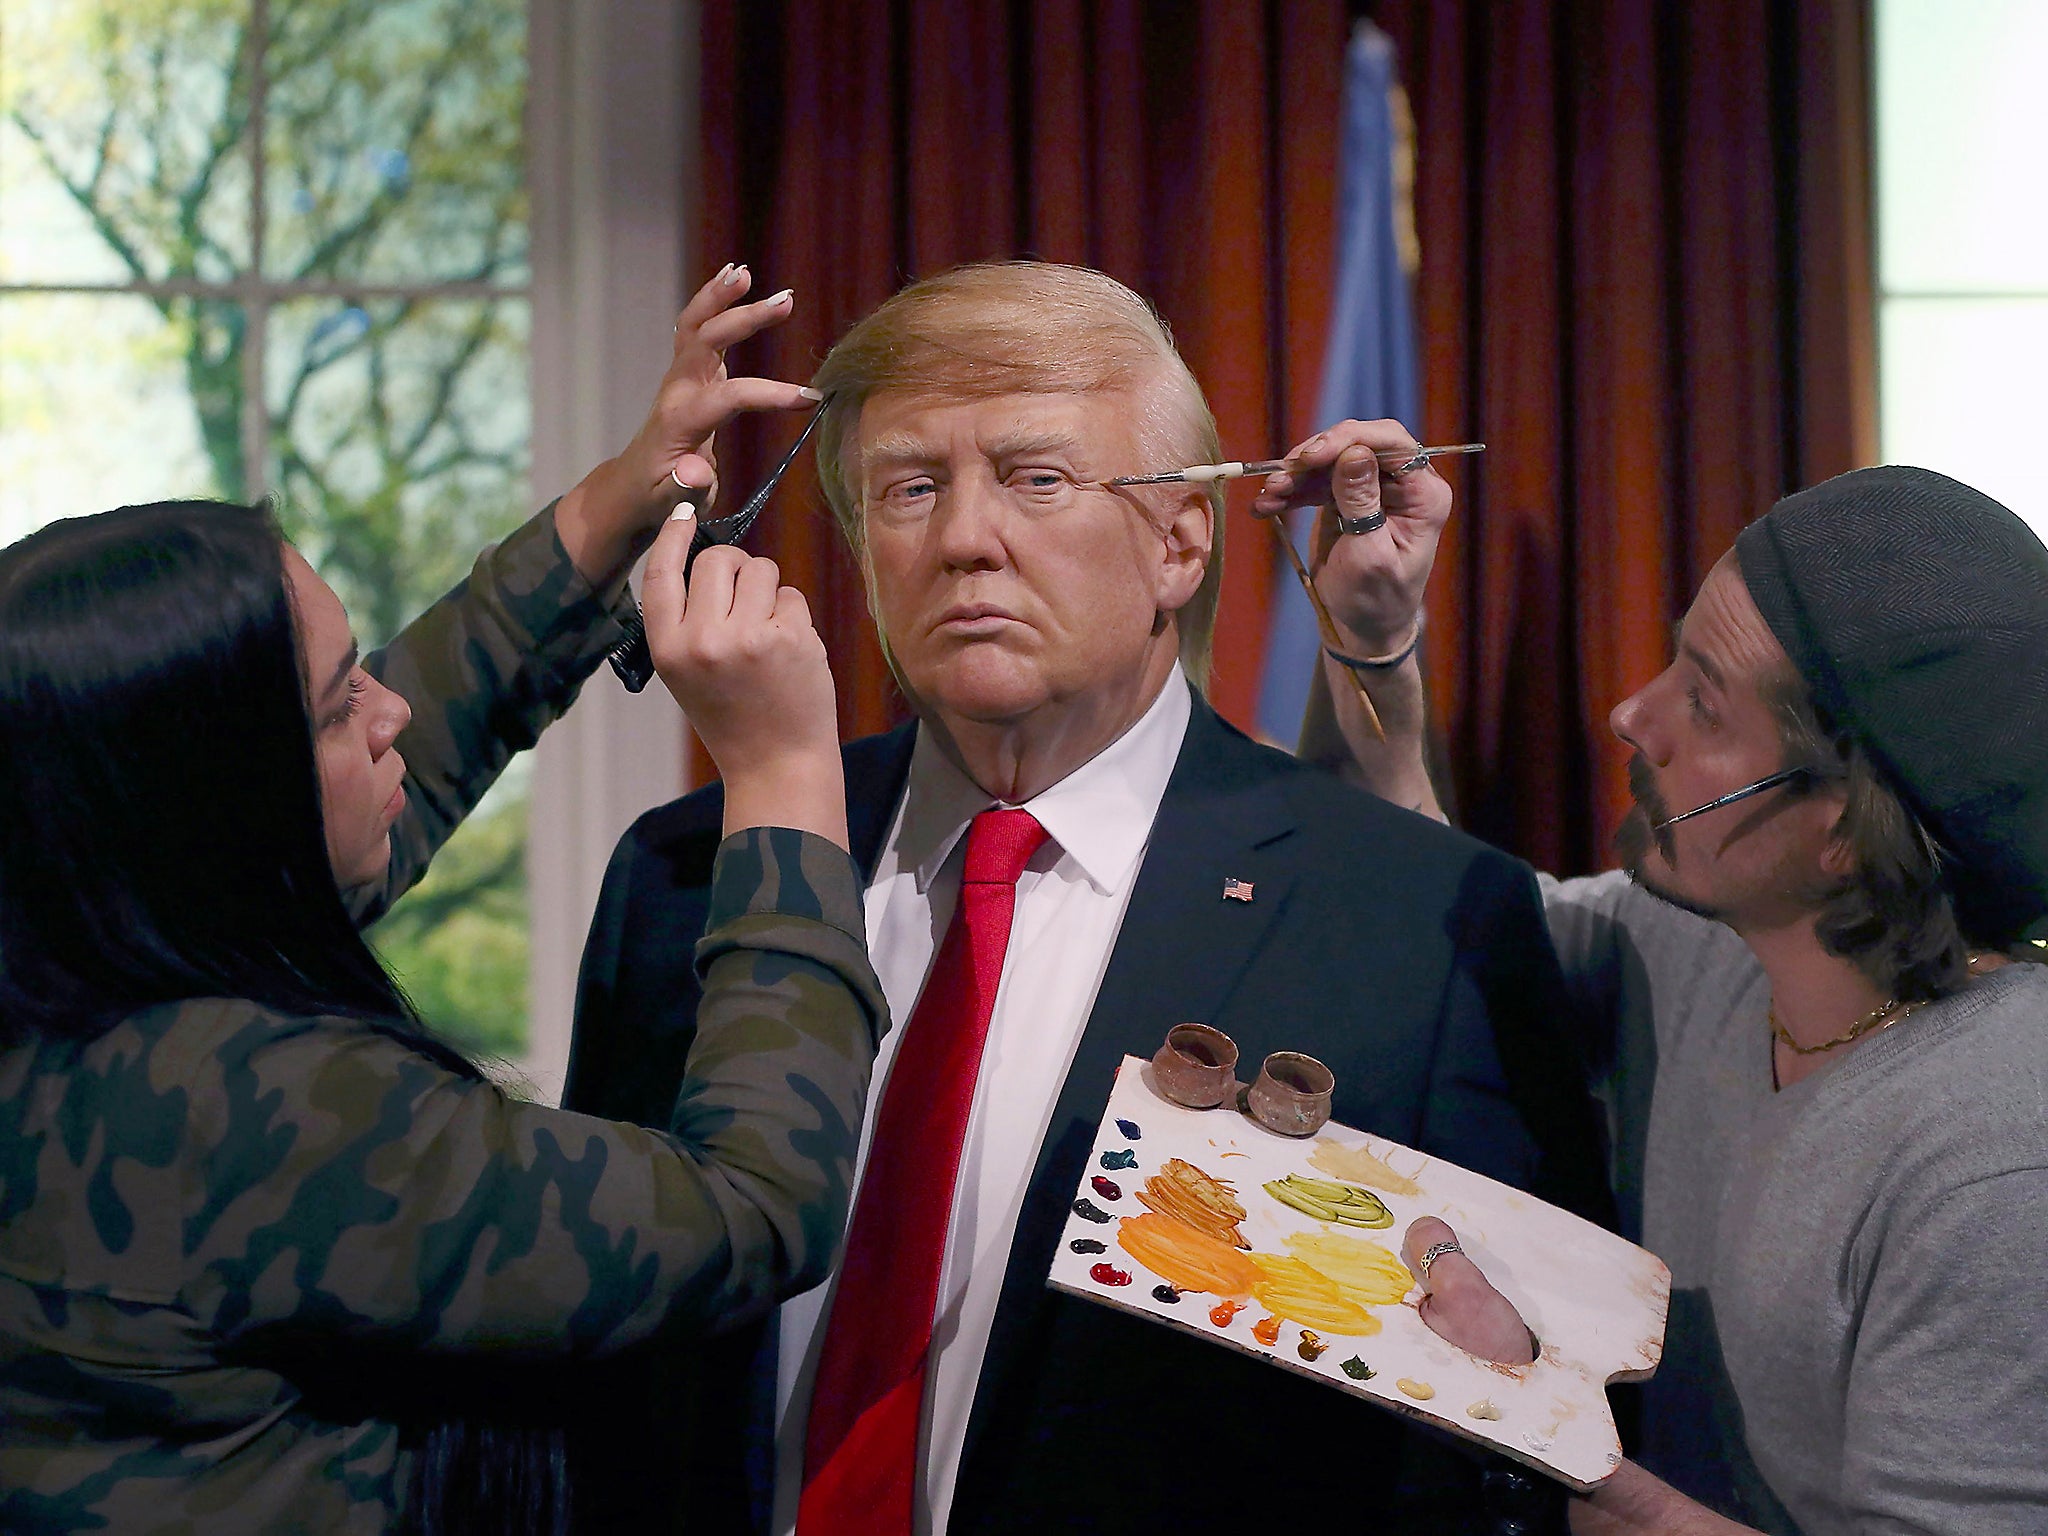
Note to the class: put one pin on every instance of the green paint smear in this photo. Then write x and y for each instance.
(1358, 1370)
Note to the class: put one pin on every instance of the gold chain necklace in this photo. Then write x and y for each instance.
(1879, 1019)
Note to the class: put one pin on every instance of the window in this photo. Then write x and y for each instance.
(279, 247)
(1963, 242)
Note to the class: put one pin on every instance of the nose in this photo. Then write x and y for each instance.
(970, 526)
(389, 716)
(1633, 722)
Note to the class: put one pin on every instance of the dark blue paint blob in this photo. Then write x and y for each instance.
(1130, 1130)
(1088, 1210)
(1124, 1159)
(1165, 1293)
(1109, 1189)
(1089, 1245)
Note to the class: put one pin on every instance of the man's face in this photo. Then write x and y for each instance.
(1702, 728)
(1005, 579)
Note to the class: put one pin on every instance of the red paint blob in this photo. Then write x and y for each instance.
(1267, 1330)
(1109, 1189)
(1224, 1311)
(1109, 1274)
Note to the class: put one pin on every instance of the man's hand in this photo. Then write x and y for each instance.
(609, 517)
(1373, 582)
(1634, 1503)
(1459, 1304)
(740, 654)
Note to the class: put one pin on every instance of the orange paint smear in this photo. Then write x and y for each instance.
(1267, 1330)
(1187, 1258)
(1185, 1193)
(1224, 1311)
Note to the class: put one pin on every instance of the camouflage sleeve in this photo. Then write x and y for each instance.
(350, 1185)
(485, 669)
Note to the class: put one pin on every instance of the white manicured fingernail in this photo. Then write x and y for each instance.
(783, 297)
(809, 393)
(683, 513)
(730, 276)
(724, 274)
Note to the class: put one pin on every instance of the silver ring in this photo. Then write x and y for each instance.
(1365, 524)
(1434, 1252)
(1420, 461)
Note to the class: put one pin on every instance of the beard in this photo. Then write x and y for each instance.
(1641, 830)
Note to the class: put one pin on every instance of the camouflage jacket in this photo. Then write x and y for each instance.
(211, 1214)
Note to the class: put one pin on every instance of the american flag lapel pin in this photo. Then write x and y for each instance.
(1237, 890)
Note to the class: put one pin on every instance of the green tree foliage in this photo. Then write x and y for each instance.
(392, 426)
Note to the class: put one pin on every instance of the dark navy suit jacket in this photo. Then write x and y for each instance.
(1412, 959)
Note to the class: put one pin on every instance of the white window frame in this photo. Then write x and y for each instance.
(611, 144)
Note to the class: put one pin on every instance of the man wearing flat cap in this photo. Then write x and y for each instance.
(1827, 1085)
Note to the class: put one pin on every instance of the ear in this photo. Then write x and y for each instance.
(1836, 858)
(1188, 536)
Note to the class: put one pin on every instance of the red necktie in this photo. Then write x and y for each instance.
(860, 1444)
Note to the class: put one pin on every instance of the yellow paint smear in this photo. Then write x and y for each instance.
(1303, 1294)
(1421, 1391)
(1186, 1258)
(1366, 1273)
(1185, 1193)
(1355, 1165)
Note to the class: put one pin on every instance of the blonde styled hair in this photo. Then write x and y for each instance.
(1025, 327)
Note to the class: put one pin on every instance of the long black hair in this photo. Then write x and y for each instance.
(162, 839)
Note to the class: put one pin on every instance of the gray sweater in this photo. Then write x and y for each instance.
(1859, 1322)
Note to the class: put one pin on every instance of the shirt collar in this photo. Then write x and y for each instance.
(1100, 815)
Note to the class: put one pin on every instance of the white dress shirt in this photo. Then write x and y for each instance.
(1070, 904)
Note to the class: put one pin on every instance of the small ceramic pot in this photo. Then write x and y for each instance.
(1197, 1066)
(1292, 1094)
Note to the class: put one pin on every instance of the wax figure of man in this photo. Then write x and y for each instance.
(1051, 635)
(1829, 1090)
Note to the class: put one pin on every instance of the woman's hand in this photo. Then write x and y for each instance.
(1373, 582)
(1459, 1304)
(608, 518)
(739, 652)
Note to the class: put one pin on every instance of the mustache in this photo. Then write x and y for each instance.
(1640, 830)
(1642, 788)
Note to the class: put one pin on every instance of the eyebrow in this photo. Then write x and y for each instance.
(894, 449)
(1698, 658)
(348, 665)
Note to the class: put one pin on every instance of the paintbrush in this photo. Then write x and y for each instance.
(1402, 459)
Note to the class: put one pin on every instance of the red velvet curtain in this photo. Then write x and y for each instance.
(1645, 284)
(852, 145)
(1646, 287)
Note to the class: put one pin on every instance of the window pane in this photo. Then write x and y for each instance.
(394, 141)
(1962, 394)
(1962, 121)
(399, 434)
(125, 152)
(97, 404)
(399, 438)
(457, 940)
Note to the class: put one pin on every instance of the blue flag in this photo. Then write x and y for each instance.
(1370, 367)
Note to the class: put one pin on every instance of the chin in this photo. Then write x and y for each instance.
(988, 688)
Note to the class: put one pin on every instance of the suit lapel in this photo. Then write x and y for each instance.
(876, 768)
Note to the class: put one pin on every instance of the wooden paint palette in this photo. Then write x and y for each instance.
(1595, 1301)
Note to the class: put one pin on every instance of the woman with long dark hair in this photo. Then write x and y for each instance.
(272, 1257)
